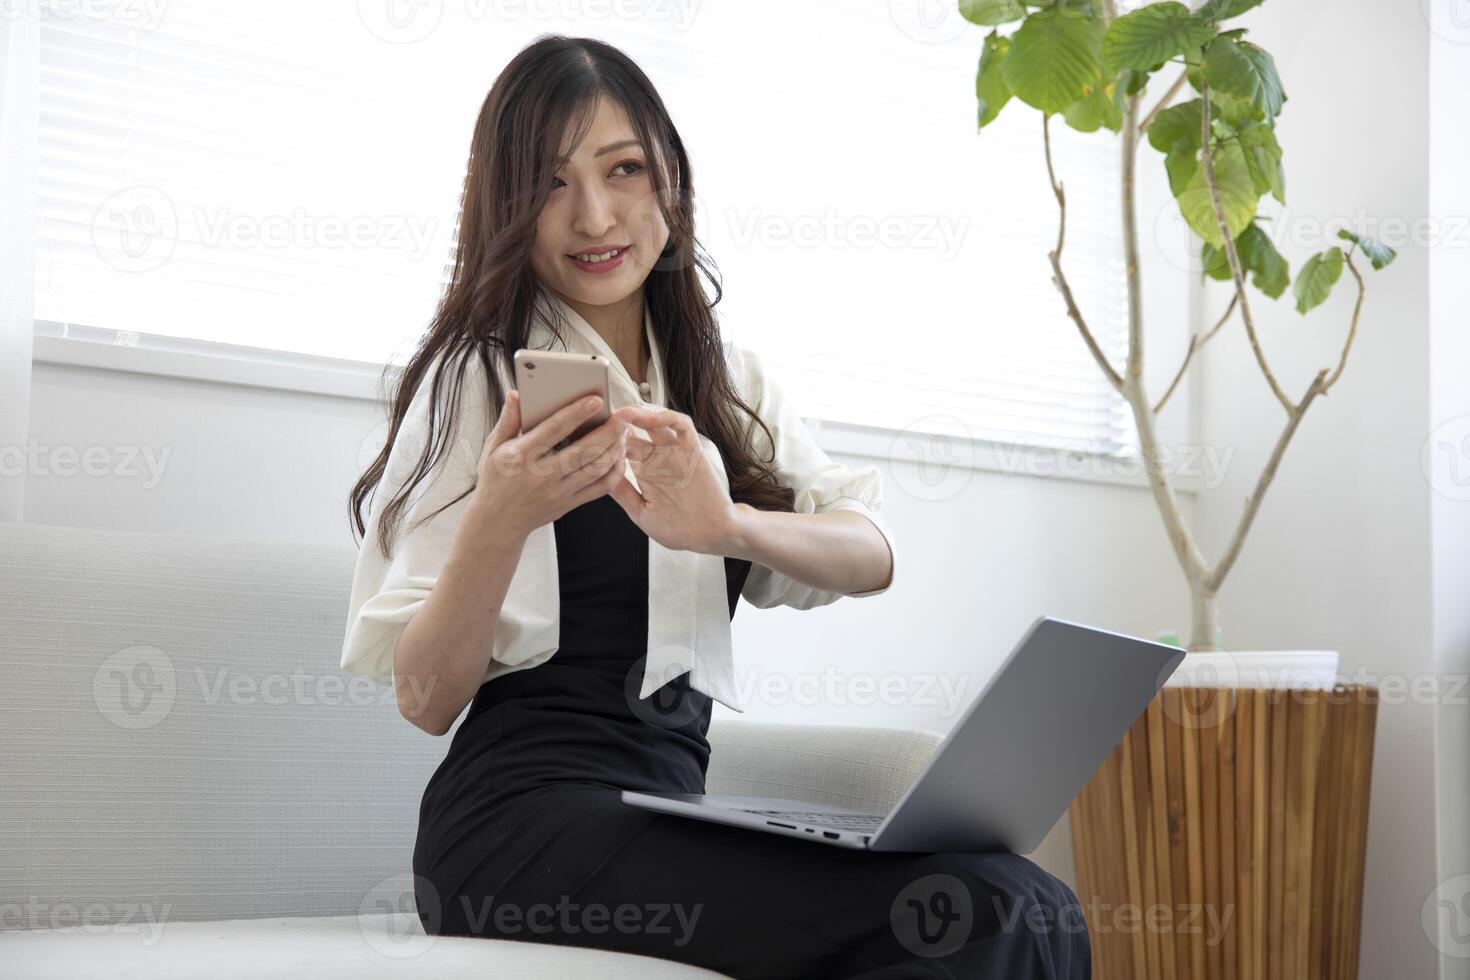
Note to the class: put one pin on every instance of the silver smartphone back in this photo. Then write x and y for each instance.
(551, 380)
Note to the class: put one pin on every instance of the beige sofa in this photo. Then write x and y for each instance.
(192, 788)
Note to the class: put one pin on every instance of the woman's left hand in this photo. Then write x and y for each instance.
(683, 503)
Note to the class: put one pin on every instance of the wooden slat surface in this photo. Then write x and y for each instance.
(1224, 837)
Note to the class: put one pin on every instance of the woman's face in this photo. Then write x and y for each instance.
(601, 200)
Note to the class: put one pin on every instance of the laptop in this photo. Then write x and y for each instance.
(1006, 772)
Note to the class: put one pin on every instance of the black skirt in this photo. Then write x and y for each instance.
(522, 834)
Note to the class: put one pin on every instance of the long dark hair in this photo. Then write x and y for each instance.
(486, 311)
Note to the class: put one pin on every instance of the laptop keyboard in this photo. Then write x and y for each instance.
(842, 821)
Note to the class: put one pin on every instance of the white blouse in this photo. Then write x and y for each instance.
(688, 601)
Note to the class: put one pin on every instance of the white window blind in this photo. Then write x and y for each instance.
(286, 176)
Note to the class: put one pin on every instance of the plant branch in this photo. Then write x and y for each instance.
(1163, 103)
(1253, 502)
(1231, 253)
(1353, 330)
(1185, 549)
(1059, 278)
(1128, 177)
(1196, 342)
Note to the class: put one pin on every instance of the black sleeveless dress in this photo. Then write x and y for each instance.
(522, 834)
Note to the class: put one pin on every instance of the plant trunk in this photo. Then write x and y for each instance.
(1205, 615)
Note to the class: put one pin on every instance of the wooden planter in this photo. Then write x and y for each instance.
(1224, 837)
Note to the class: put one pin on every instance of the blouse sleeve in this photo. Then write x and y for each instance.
(386, 593)
(821, 485)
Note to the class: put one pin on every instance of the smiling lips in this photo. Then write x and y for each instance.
(602, 260)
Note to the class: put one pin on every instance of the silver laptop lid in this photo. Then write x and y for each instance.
(1030, 740)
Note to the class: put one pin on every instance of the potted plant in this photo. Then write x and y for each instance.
(1243, 803)
(1082, 62)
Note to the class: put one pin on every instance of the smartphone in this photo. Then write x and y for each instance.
(551, 380)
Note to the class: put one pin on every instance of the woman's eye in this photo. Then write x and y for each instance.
(637, 165)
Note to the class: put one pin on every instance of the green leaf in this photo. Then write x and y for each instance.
(1378, 253)
(1181, 165)
(1096, 110)
(1233, 109)
(1176, 127)
(1241, 69)
(1263, 157)
(991, 91)
(1055, 59)
(1225, 9)
(1216, 262)
(1152, 35)
(988, 12)
(1269, 271)
(1314, 283)
(1237, 196)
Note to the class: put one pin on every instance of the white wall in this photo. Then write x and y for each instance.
(1341, 553)
(1448, 449)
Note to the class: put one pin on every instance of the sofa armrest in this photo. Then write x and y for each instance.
(865, 769)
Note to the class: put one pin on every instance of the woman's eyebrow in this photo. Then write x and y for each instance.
(606, 149)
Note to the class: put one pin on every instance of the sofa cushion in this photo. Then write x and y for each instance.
(344, 947)
(178, 735)
(194, 788)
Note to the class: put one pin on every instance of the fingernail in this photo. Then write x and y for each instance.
(590, 403)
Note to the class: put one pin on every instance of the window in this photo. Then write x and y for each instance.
(286, 176)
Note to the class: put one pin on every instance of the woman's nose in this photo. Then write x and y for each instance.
(594, 212)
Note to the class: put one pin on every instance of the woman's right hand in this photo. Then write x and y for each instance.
(525, 483)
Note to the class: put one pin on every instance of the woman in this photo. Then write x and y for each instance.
(566, 595)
